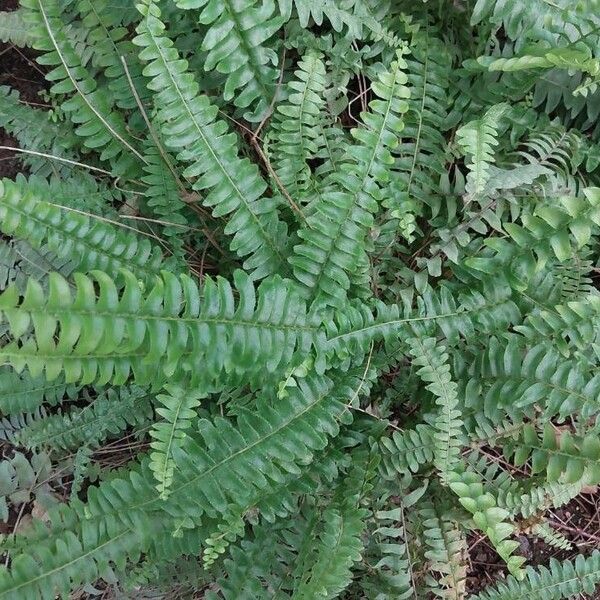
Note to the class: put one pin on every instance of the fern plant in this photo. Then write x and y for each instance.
(298, 299)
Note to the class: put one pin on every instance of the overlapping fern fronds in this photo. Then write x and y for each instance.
(297, 297)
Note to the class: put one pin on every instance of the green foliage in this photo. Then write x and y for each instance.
(559, 580)
(13, 28)
(177, 411)
(232, 185)
(23, 480)
(434, 369)
(296, 128)
(336, 227)
(89, 240)
(477, 139)
(233, 45)
(296, 296)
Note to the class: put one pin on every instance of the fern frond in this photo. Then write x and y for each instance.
(420, 155)
(477, 139)
(107, 415)
(434, 369)
(235, 43)
(265, 445)
(96, 243)
(164, 199)
(339, 14)
(508, 375)
(407, 451)
(551, 537)
(233, 186)
(338, 547)
(394, 567)
(106, 36)
(296, 126)
(14, 30)
(177, 410)
(89, 107)
(23, 480)
(24, 394)
(354, 329)
(559, 580)
(488, 517)
(173, 324)
(333, 238)
(34, 130)
(571, 325)
(446, 552)
(555, 230)
(560, 455)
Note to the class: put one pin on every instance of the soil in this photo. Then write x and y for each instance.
(578, 522)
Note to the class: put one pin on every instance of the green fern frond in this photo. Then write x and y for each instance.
(420, 162)
(554, 230)
(107, 415)
(407, 451)
(96, 243)
(296, 126)
(538, 375)
(337, 225)
(434, 369)
(235, 45)
(339, 14)
(551, 537)
(232, 186)
(23, 480)
(149, 334)
(33, 130)
(89, 107)
(24, 394)
(477, 140)
(394, 567)
(106, 36)
(559, 580)
(14, 30)
(208, 473)
(446, 548)
(164, 199)
(562, 456)
(338, 547)
(488, 517)
(177, 410)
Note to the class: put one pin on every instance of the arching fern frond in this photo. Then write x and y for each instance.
(33, 130)
(106, 35)
(432, 360)
(175, 324)
(96, 243)
(338, 547)
(235, 45)
(107, 415)
(339, 14)
(24, 394)
(89, 107)
(14, 30)
(477, 139)
(177, 410)
(333, 238)
(233, 186)
(561, 455)
(446, 549)
(559, 580)
(296, 125)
